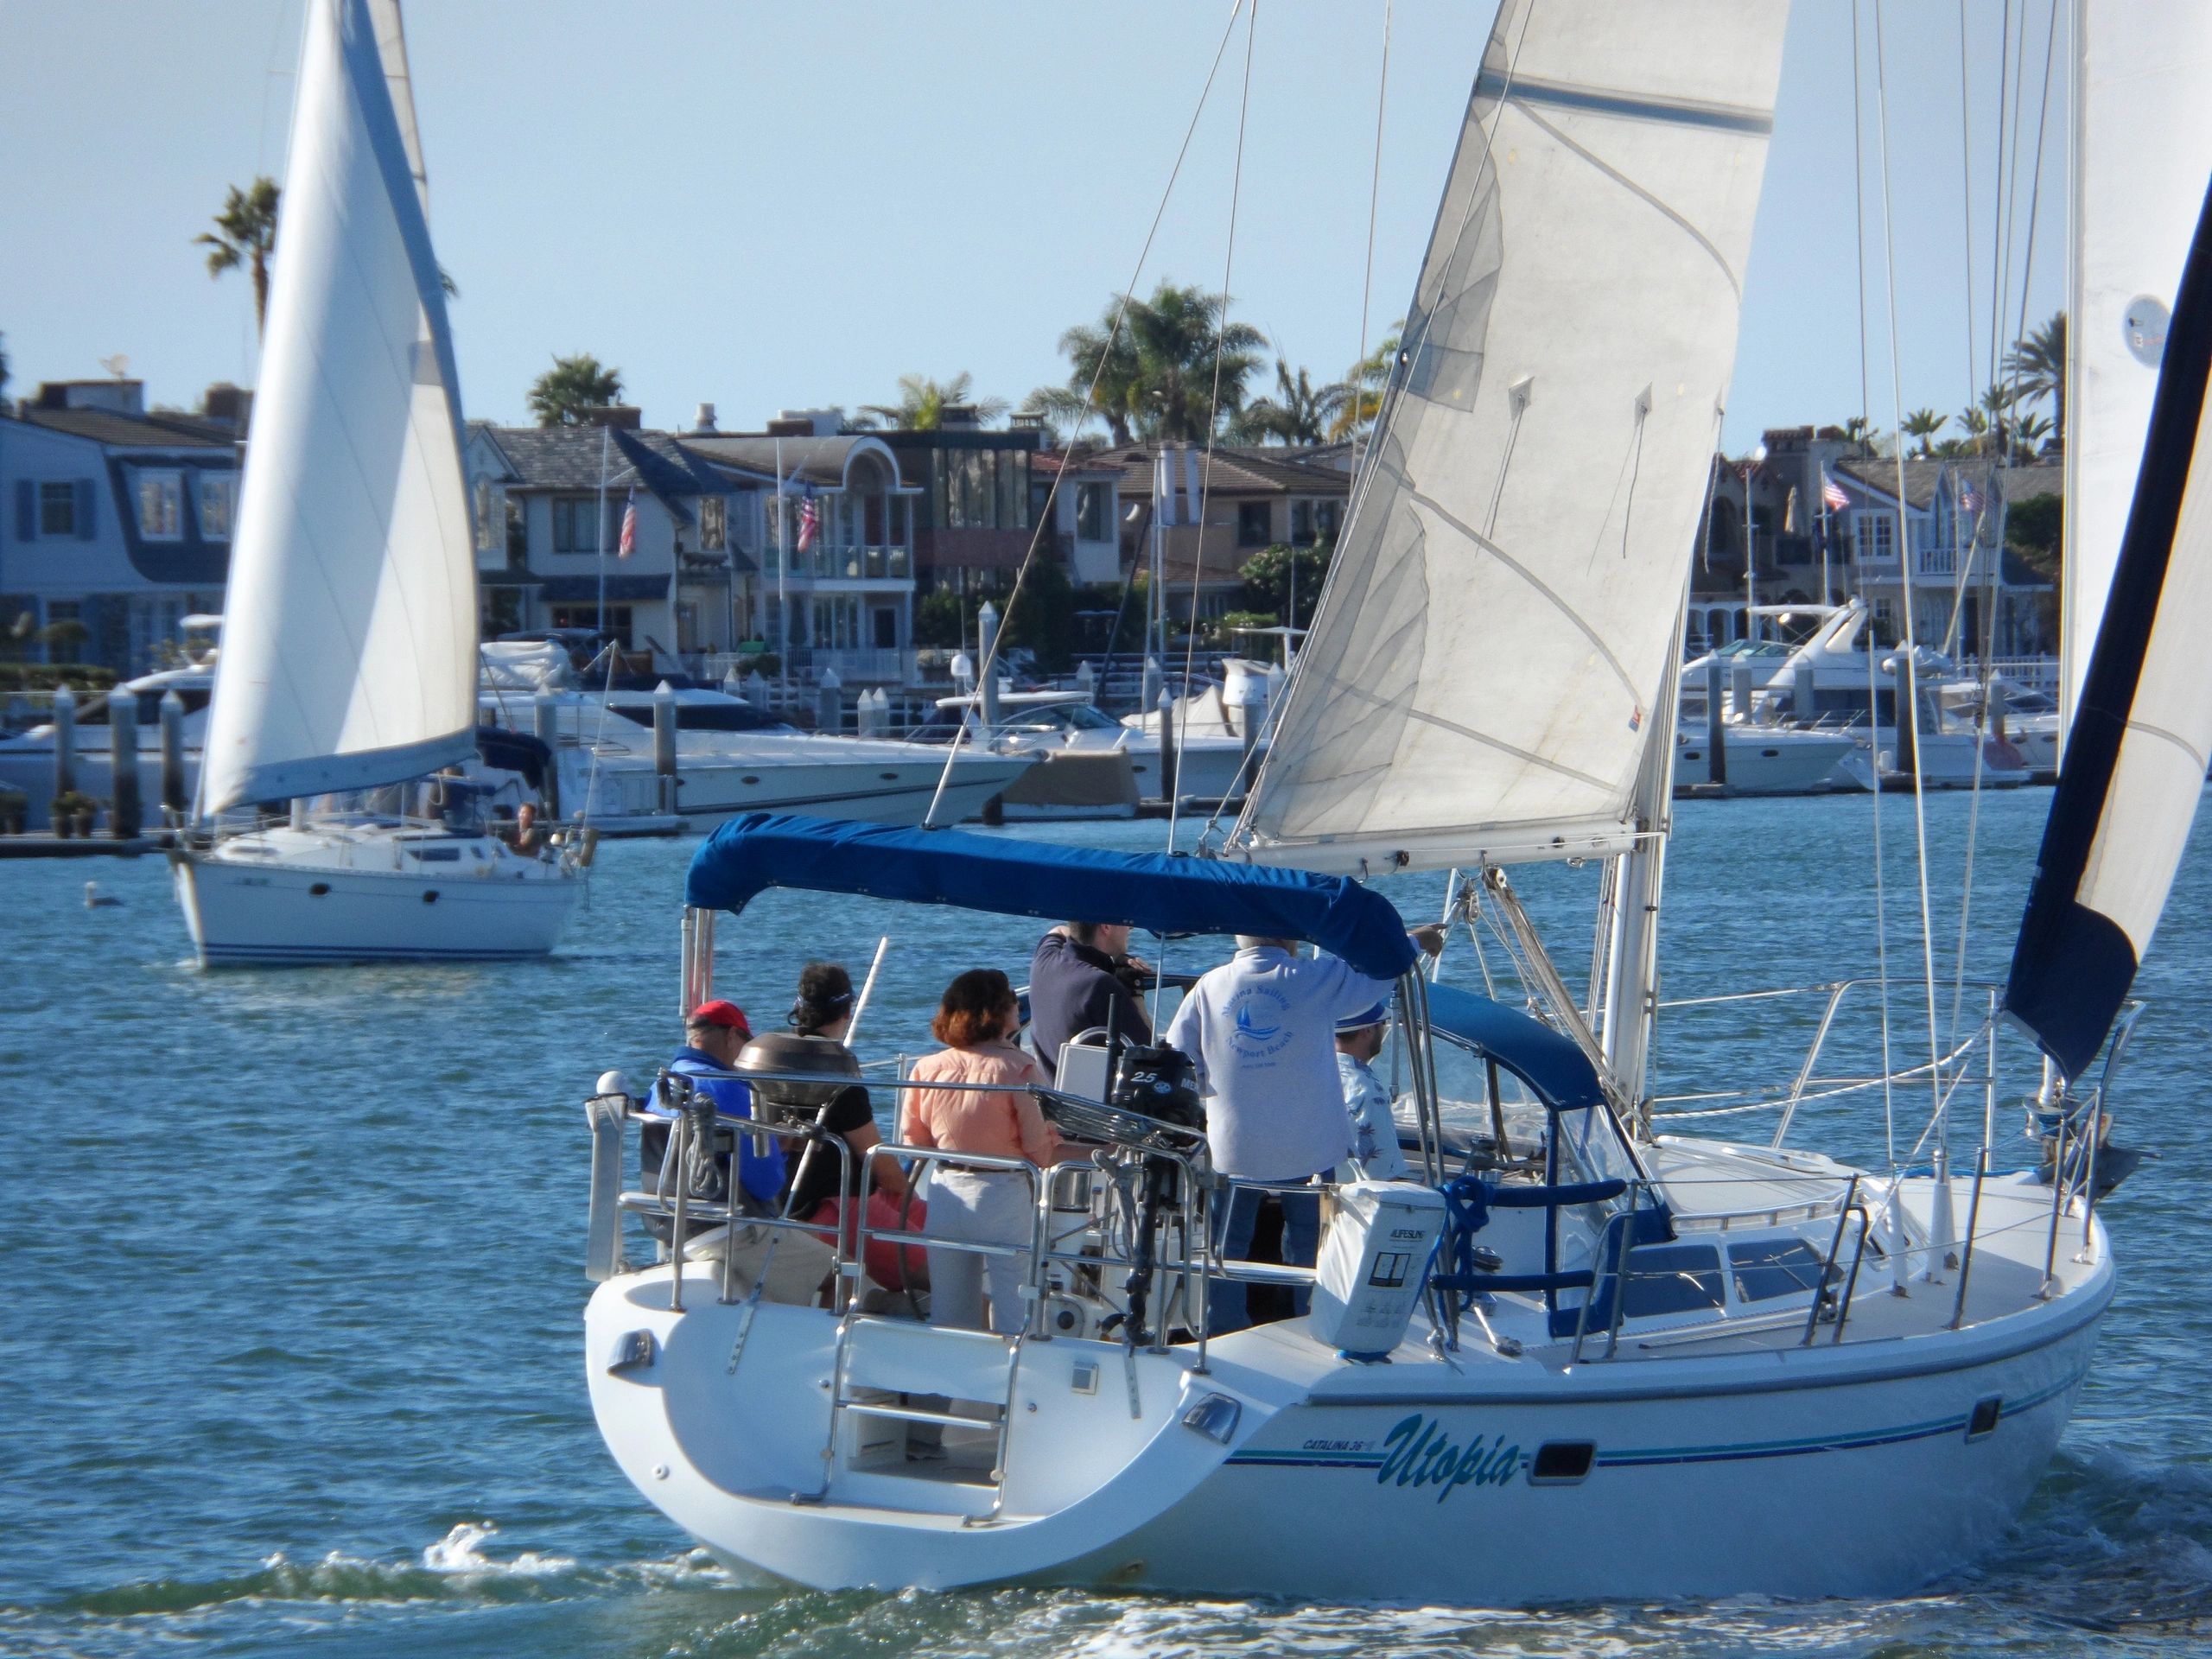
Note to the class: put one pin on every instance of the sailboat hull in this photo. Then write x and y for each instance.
(285, 896)
(1761, 1466)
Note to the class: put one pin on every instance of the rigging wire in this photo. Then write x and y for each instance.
(1996, 501)
(1911, 712)
(1052, 491)
(1409, 348)
(1213, 433)
(1866, 625)
(1266, 739)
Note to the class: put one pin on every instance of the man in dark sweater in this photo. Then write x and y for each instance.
(1075, 985)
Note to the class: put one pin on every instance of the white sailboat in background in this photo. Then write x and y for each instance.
(349, 656)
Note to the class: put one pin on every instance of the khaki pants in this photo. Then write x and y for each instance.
(796, 1272)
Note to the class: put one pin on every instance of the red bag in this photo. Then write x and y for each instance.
(882, 1259)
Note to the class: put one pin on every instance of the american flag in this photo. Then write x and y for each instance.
(1970, 498)
(1831, 494)
(810, 521)
(628, 542)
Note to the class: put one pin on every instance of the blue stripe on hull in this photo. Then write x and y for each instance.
(1656, 1457)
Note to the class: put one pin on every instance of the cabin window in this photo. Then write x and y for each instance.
(161, 506)
(436, 854)
(1673, 1279)
(219, 504)
(1771, 1268)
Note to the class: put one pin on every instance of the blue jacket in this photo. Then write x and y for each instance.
(761, 1176)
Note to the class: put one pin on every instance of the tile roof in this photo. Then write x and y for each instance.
(161, 431)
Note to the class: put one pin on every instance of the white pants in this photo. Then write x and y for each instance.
(982, 1207)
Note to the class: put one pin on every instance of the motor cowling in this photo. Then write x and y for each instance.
(1156, 1082)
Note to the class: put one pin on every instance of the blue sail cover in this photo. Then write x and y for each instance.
(1549, 1062)
(1153, 891)
(2136, 754)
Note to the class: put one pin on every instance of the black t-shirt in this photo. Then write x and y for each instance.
(819, 1167)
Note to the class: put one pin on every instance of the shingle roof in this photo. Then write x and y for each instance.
(1921, 477)
(164, 431)
(570, 457)
(1236, 470)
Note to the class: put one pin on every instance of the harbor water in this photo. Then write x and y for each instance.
(293, 1293)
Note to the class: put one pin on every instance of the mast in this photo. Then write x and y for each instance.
(1632, 1003)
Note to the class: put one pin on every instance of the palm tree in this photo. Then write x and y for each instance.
(1864, 433)
(1364, 387)
(922, 403)
(1975, 422)
(2031, 431)
(2037, 365)
(1156, 375)
(1301, 412)
(1923, 423)
(246, 234)
(560, 395)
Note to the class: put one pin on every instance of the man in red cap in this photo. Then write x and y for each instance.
(715, 1034)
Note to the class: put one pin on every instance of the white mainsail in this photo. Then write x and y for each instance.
(2142, 136)
(349, 632)
(1480, 683)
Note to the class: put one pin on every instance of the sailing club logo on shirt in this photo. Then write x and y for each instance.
(1259, 1023)
(1418, 1453)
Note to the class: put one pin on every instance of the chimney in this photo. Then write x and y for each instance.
(231, 404)
(958, 418)
(807, 422)
(623, 417)
(703, 423)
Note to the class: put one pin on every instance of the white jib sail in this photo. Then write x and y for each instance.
(349, 632)
(2142, 151)
(1479, 684)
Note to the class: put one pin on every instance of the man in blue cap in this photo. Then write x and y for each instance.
(1376, 1153)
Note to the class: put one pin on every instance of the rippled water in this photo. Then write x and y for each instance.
(292, 1291)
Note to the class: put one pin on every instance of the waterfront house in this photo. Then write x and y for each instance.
(845, 602)
(972, 497)
(1086, 513)
(1251, 499)
(114, 518)
(546, 531)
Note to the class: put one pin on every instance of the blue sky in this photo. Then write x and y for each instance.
(770, 207)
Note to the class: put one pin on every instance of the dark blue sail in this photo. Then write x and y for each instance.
(2136, 753)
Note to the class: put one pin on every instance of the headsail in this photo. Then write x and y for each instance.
(2142, 148)
(1479, 684)
(349, 633)
(2136, 759)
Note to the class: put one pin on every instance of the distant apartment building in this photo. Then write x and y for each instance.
(114, 518)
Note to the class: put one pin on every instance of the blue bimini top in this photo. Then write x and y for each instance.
(1548, 1061)
(1158, 892)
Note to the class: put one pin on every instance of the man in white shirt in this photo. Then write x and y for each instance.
(1261, 1029)
(1376, 1153)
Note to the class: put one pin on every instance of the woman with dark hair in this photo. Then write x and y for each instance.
(822, 1183)
(975, 1022)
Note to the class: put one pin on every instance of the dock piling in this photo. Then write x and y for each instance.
(124, 815)
(175, 801)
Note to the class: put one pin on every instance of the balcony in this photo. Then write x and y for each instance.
(875, 562)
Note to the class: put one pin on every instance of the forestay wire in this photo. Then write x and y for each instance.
(988, 664)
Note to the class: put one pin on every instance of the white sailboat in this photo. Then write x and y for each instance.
(1577, 1325)
(349, 659)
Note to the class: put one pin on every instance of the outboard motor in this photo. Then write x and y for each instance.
(1156, 1083)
